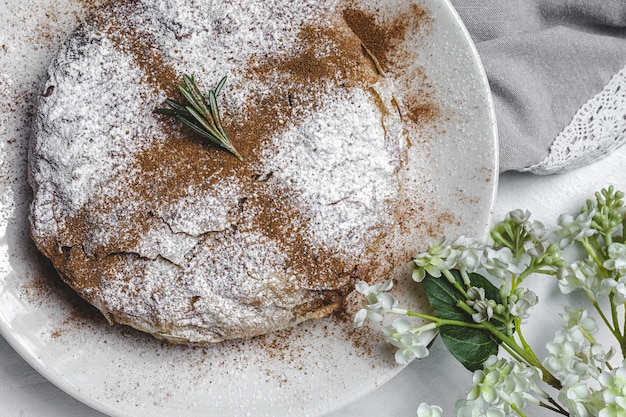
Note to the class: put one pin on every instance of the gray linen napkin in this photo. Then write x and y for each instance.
(544, 59)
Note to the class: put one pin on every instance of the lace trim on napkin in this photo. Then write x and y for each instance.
(597, 128)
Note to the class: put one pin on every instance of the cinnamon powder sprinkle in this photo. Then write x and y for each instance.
(381, 39)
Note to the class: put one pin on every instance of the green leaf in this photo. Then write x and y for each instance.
(491, 291)
(220, 85)
(469, 346)
(201, 116)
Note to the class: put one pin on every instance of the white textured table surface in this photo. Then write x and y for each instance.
(437, 379)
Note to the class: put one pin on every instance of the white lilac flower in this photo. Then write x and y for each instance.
(551, 257)
(574, 228)
(521, 386)
(574, 355)
(483, 389)
(536, 244)
(500, 262)
(585, 366)
(521, 302)
(613, 392)
(465, 254)
(411, 342)
(475, 294)
(518, 216)
(561, 356)
(484, 311)
(439, 256)
(579, 318)
(620, 291)
(570, 278)
(617, 264)
(617, 287)
(576, 397)
(425, 410)
(537, 231)
(582, 275)
(571, 356)
(378, 301)
(467, 408)
(597, 355)
(484, 308)
(500, 385)
(471, 252)
(617, 258)
(534, 249)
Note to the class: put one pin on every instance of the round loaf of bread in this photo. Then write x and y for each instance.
(173, 236)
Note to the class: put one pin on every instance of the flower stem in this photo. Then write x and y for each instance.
(454, 282)
(624, 333)
(512, 353)
(443, 322)
(605, 319)
(554, 406)
(465, 277)
(614, 327)
(544, 272)
(524, 274)
(518, 331)
(524, 354)
(518, 410)
(593, 254)
(528, 356)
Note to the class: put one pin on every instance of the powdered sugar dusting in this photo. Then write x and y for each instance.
(339, 159)
(75, 167)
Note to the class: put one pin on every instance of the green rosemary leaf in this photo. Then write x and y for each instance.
(175, 105)
(219, 86)
(177, 109)
(199, 130)
(202, 114)
(196, 98)
(215, 114)
(203, 122)
(167, 111)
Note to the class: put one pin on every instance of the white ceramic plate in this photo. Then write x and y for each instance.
(309, 370)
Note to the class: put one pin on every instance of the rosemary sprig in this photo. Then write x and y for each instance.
(202, 114)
